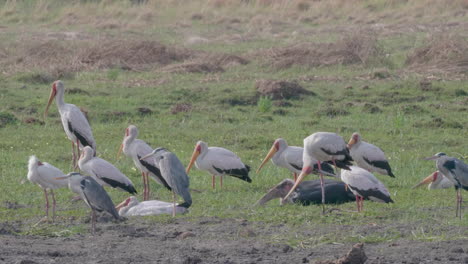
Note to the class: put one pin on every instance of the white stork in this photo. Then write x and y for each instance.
(104, 172)
(92, 193)
(44, 174)
(368, 156)
(132, 207)
(319, 147)
(365, 185)
(136, 149)
(174, 173)
(74, 122)
(436, 180)
(456, 171)
(289, 157)
(218, 161)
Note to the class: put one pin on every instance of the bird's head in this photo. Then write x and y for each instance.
(355, 138)
(278, 191)
(199, 147)
(131, 132)
(436, 156)
(431, 178)
(57, 85)
(277, 145)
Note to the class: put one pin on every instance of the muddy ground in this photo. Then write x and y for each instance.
(208, 240)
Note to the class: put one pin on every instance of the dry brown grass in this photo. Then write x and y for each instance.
(441, 54)
(355, 48)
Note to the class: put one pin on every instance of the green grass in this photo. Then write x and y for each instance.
(406, 129)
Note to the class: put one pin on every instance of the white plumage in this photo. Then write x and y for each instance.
(136, 149)
(365, 185)
(104, 172)
(218, 161)
(284, 156)
(44, 174)
(74, 122)
(368, 156)
(132, 207)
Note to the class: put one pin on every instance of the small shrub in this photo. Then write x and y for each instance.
(7, 118)
(264, 104)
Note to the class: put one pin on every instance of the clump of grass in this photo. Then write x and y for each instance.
(460, 92)
(7, 119)
(264, 104)
(113, 74)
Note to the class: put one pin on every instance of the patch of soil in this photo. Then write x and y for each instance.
(279, 90)
(438, 122)
(144, 110)
(181, 107)
(282, 103)
(332, 111)
(226, 60)
(13, 205)
(412, 109)
(354, 48)
(240, 100)
(193, 67)
(371, 108)
(33, 120)
(76, 91)
(355, 256)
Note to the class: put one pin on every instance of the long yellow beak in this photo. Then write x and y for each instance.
(53, 92)
(192, 160)
(120, 151)
(351, 142)
(61, 178)
(426, 180)
(268, 157)
(120, 205)
(149, 155)
(299, 179)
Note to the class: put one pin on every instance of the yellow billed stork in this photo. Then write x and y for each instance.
(218, 161)
(137, 149)
(365, 185)
(436, 180)
(289, 157)
(74, 122)
(368, 156)
(44, 174)
(104, 172)
(132, 207)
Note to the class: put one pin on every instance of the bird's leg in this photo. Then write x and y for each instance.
(53, 205)
(460, 205)
(173, 204)
(221, 181)
(47, 204)
(78, 153)
(459, 198)
(93, 221)
(147, 185)
(334, 163)
(73, 155)
(212, 181)
(322, 187)
(357, 202)
(295, 176)
(361, 203)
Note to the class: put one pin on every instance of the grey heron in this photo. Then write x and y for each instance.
(136, 149)
(74, 122)
(289, 157)
(93, 194)
(174, 173)
(44, 174)
(218, 162)
(456, 171)
(368, 156)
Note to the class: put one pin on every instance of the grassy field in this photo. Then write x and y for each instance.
(395, 71)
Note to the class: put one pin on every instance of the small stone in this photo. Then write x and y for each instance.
(287, 248)
(184, 235)
(305, 260)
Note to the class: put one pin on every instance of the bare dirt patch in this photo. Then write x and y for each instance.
(181, 107)
(279, 90)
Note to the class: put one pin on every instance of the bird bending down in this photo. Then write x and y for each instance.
(323, 147)
(368, 156)
(74, 122)
(365, 185)
(218, 161)
(309, 192)
(436, 180)
(174, 173)
(456, 171)
(132, 207)
(44, 174)
(290, 157)
(104, 172)
(92, 194)
(136, 149)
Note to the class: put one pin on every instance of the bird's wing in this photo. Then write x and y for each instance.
(96, 197)
(174, 173)
(109, 174)
(142, 149)
(372, 152)
(47, 175)
(293, 157)
(79, 126)
(223, 159)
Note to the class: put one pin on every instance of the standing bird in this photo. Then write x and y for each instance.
(104, 172)
(289, 157)
(132, 207)
(136, 149)
(74, 122)
(456, 171)
(218, 161)
(309, 192)
(44, 174)
(436, 180)
(365, 185)
(173, 172)
(368, 156)
(92, 193)
(323, 146)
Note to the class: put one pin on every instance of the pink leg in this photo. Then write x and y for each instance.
(357, 202)
(93, 221)
(212, 181)
(334, 164)
(322, 187)
(221, 181)
(73, 156)
(144, 185)
(78, 151)
(147, 186)
(361, 203)
(173, 204)
(47, 203)
(53, 205)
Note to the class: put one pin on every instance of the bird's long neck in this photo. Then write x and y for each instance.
(85, 158)
(59, 98)
(127, 142)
